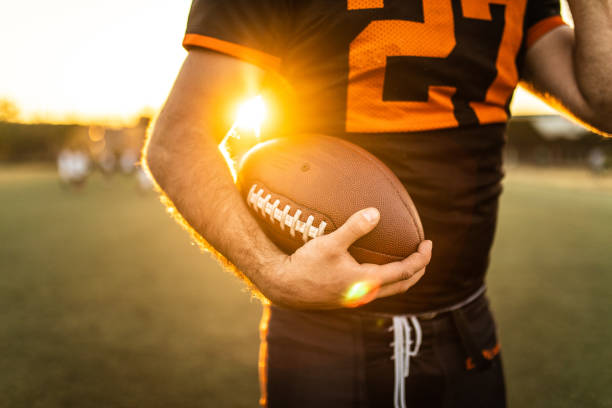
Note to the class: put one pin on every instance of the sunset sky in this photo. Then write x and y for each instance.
(79, 60)
(67, 59)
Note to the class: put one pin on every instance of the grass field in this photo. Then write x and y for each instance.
(104, 302)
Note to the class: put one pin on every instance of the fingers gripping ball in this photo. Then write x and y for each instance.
(302, 187)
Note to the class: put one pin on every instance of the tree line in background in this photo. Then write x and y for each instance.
(42, 142)
(536, 140)
(555, 141)
(77, 150)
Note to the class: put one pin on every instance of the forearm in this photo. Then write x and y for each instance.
(593, 52)
(183, 157)
(195, 177)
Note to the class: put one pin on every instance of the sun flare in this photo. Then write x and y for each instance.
(249, 118)
(251, 114)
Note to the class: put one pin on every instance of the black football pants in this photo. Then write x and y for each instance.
(344, 359)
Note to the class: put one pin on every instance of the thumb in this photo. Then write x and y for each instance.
(355, 227)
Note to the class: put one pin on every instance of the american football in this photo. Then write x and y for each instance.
(302, 187)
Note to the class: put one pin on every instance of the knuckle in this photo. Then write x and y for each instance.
(358, 221)
(407, 273)
(354, 227)
(419, 260)
(362, 228)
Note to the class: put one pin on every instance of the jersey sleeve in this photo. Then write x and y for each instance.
(541, 16)
(255, 31)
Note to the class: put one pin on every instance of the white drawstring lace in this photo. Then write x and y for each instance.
(402, 351)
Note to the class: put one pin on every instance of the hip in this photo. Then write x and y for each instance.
(351, 358)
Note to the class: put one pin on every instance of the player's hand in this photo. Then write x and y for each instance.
(323, 275)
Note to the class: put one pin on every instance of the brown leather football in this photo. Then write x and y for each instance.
(305, 186)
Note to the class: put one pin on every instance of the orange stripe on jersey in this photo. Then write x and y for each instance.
(492, 110)
(365, 4)
(542, 27)
(235, 50)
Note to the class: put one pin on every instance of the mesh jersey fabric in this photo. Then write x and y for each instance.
(424, 85)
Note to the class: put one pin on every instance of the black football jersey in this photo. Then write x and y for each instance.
(424, 85)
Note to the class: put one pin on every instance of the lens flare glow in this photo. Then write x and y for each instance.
(231, 164)
(251, 114)
(249, 118)
(357, 293)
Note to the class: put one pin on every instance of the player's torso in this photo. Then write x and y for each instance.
(374, 66)
(424, 85)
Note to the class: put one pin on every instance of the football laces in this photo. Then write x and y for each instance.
(271, 211)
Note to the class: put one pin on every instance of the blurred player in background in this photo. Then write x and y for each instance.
(73, 167)
(425, 86)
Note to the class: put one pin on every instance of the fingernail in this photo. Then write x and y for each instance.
(371, 215)
(428, 245)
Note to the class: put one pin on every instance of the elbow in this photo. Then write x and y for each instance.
(601, 117)
(598, 103)
(604, 128)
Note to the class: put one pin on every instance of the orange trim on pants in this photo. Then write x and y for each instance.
(263, 356)
(489, 354)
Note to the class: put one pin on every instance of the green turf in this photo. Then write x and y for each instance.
(104, 302)
(551, 285)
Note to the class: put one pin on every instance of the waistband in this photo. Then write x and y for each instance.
(430, 314)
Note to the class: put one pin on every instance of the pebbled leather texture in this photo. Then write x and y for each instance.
(331, 179)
